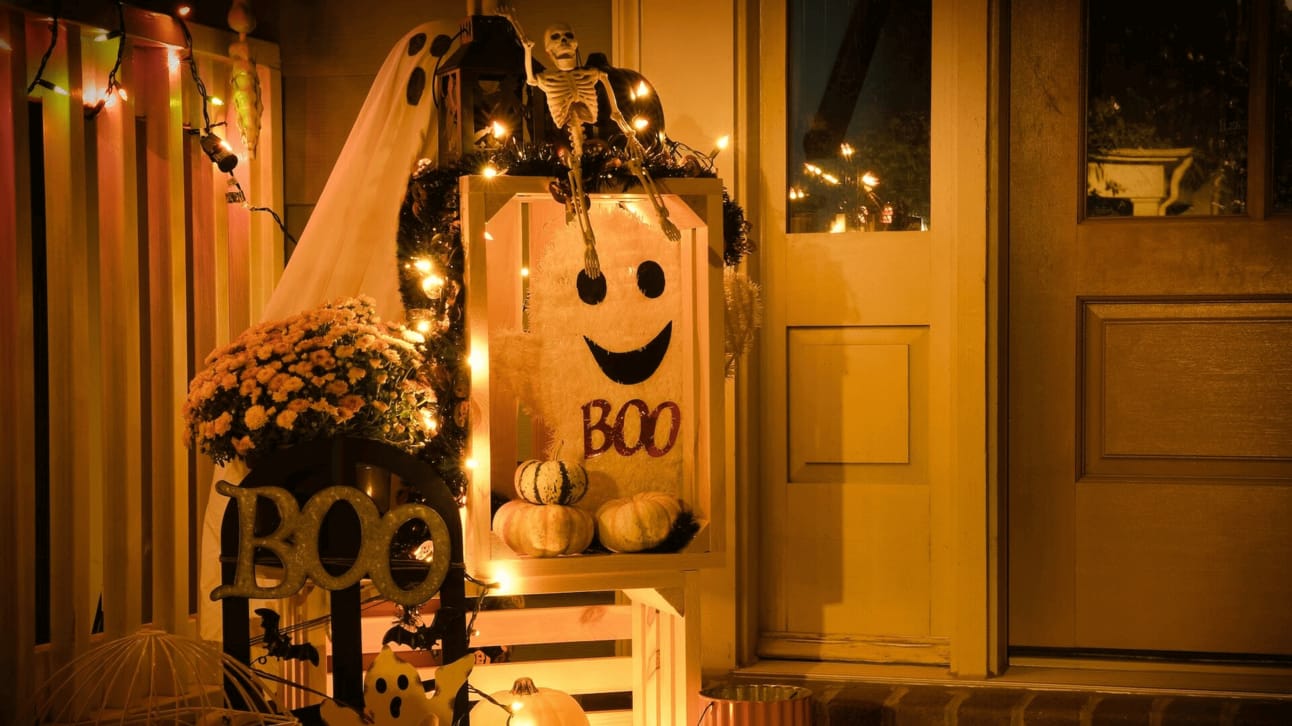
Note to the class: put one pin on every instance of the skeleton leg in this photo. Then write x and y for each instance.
(591, 264)
(635, 157)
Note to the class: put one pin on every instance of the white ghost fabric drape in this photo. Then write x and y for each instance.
(348, 247)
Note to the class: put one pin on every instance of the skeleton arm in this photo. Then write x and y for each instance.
(505, 10)
(617, 116)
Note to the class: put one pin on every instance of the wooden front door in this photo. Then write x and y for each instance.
(1150, 363)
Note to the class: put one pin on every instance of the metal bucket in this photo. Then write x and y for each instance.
(756, 704)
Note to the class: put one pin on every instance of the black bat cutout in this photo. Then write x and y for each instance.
(422, 637)
(280, 646)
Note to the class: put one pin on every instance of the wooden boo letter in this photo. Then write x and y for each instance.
(295, 544)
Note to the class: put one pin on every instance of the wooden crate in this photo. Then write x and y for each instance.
(504, 221)
(634, 643)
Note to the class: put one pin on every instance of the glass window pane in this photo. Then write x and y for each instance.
(1166, 114)
(859, 87)
(1283, 108)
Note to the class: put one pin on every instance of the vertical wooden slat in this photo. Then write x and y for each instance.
(263, 181)
(17, 541)
(71, 433)
(161, 106)
(120, 298)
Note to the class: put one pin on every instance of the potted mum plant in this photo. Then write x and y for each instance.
(335, 370)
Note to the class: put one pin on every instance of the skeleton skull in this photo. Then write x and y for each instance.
(561, 45)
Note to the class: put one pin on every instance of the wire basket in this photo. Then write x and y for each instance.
(153, 677)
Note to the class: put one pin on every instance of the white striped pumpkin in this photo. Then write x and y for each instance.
(551, 482)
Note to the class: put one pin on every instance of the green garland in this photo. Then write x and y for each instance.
(430, 228)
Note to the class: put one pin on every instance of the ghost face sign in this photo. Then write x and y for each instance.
(610, 366)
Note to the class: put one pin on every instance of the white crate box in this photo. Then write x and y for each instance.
(509, 225)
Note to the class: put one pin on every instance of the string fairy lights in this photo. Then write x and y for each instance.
(114, 89)
(39, 79)
(215, 147)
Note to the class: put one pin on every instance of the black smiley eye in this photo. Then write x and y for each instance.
(650, 279)
(591, 290)
(381, 685)
(403, 682)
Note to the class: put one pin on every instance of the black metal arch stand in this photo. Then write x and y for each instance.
(306, 469)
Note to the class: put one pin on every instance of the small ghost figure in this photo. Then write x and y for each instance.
(571, 92)
(394, 696)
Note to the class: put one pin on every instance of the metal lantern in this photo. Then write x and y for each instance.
(480, 88)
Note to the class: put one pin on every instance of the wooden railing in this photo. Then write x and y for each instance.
(121, 266)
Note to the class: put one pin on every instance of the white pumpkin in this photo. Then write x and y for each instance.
(639, 522)
(528, 705)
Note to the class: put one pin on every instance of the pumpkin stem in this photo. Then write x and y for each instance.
(557, 454)
(524, 687)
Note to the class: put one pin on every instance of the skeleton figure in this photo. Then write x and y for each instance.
(571, 93)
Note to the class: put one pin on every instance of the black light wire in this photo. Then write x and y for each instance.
(44, 58)
(206, 120)
(112, 74)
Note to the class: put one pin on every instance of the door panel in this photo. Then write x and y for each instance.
(1150, 377)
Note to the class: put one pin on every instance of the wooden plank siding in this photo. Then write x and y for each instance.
(147, 269)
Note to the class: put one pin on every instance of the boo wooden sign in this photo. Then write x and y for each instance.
(295, 543)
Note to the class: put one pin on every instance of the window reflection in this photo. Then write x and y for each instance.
(1166, 114)
(1283, 108)
(859, 86)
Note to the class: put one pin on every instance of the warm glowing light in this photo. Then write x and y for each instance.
(796, 194)
(524, 272)
(470, 463)
(488, 237)
(502, 580)
(172, 59)
(490, 171)
(423, 326)
(421, 264)
(102, 37)
(870, 180)
(224, 144)
(499, 130)
(432, 284)
(640, 123)
(184, 10)
(723, 142)
(846, 150)
(643, 90)
(474, 359)
(839, 224)
(121, 93)
(812, 169)
(517, 705)
(216, 100)
(830, 178)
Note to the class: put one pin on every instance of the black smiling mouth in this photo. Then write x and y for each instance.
(632, 366)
